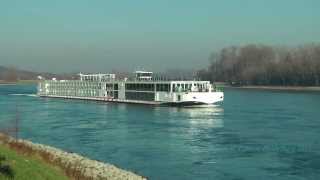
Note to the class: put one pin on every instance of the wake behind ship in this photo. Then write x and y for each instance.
(143, 89)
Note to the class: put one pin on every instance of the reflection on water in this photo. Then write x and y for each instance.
(202, 117)
(202, 121)
(210, 117)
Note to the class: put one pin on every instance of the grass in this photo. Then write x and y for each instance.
(23, 167)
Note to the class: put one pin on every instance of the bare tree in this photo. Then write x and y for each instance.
(265, 65)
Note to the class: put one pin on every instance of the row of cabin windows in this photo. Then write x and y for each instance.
(142, 96)
(163, 87)
(85, 93)
(140, 87)
(136, 87)
(148, 87)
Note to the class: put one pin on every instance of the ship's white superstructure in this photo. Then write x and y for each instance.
(142, 89)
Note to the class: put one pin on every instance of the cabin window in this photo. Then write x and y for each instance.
(115, 86)
(162, 87)
(179, 97)
(167, 87)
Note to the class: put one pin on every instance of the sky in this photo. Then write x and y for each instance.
(125, 35)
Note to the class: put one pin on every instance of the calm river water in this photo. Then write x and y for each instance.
(254, 134)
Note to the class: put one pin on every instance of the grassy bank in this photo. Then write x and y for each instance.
(71, 164)
(23, 167)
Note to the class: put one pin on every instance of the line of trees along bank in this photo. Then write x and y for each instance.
(265, 65)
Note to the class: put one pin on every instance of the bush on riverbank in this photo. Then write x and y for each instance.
(5, 169)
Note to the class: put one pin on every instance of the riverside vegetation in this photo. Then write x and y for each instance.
(21, 167)
(265, 65)
(27, 159)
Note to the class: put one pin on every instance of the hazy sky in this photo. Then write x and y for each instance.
(101, 35)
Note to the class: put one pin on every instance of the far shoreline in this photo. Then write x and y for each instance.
(220, 84)
(21, 82)
(279, 88)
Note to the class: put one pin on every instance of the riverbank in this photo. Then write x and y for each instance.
(280, 88)
(22, 167)
(73, 165)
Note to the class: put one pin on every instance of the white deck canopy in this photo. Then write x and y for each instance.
(97, 77)
(143, 75)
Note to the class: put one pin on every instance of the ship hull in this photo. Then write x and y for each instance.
(203, 99)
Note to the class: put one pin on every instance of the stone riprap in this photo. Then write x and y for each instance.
(75, 166)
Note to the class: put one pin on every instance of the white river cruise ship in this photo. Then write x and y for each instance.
(142, 89)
